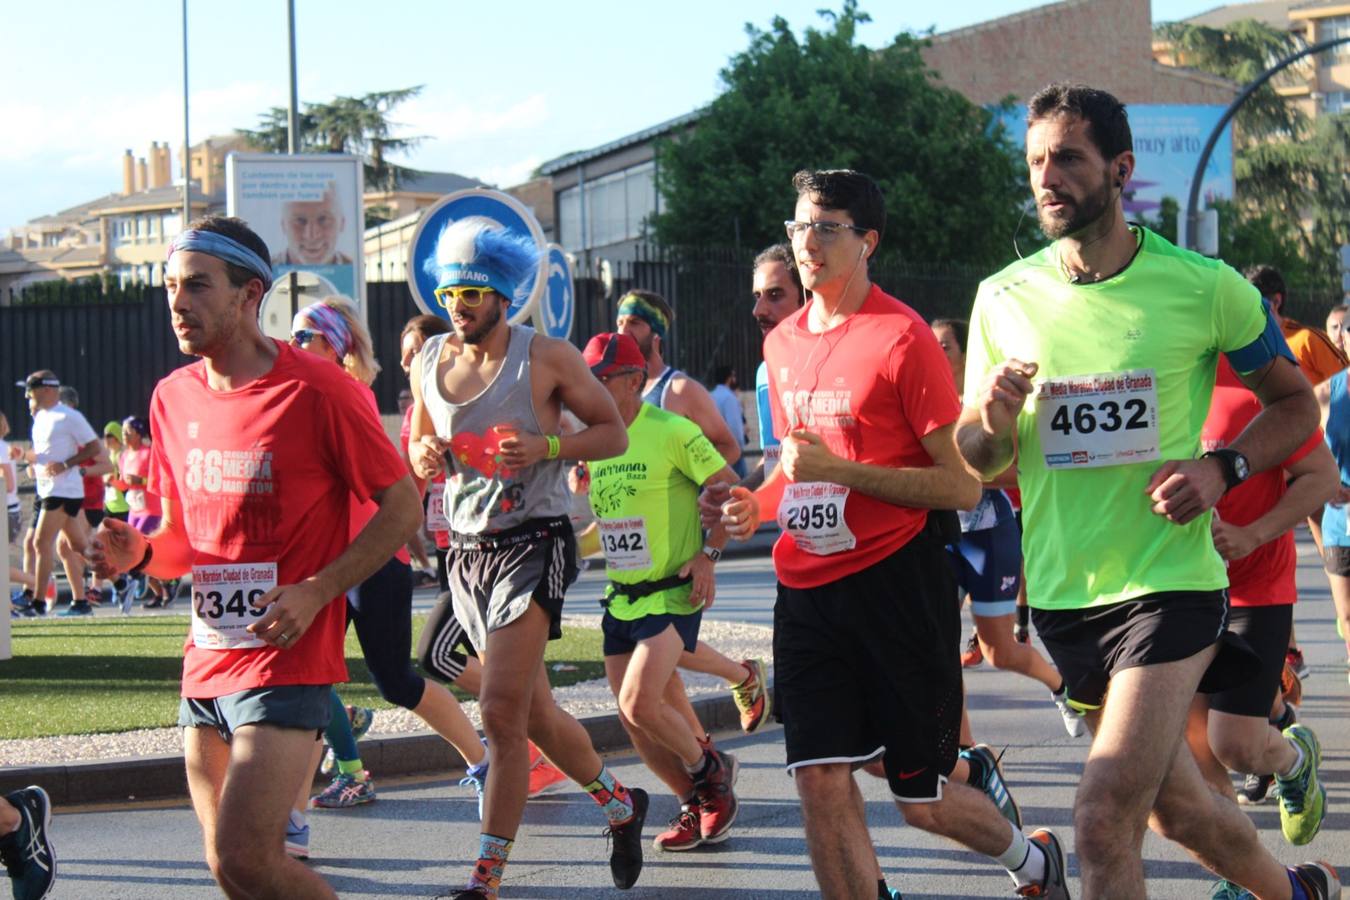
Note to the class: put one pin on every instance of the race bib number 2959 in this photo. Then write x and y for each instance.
(1108, 419)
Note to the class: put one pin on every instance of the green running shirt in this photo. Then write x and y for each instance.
(646, 505)
(1150, 339)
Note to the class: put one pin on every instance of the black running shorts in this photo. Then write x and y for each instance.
(1089, 646)
(868, 665)
(1266, 631)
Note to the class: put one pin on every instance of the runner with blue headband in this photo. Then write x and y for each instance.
(224, 247)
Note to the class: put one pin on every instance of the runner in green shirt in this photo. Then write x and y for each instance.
(660, 580)
(1095, 359)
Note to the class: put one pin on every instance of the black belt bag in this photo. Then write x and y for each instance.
(642, 589)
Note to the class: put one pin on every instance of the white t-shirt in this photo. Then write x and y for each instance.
(12, 486)
(58, 434)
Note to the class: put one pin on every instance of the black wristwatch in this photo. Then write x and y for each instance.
(1235, 467)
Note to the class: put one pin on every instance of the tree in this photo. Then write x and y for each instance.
(953, 187)
(359, 125)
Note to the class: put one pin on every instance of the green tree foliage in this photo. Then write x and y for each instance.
(359, 125)
(953, 187)
(1292, 172)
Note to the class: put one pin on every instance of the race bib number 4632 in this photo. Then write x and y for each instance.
(222, 603)
(1108, 419)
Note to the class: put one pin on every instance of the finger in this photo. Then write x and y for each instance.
(1028, 369)
(1161, 475)
(686, 569)
(1011, 381)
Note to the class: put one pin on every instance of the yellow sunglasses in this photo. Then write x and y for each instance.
(469, 296)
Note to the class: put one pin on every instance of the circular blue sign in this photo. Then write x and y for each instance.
(498, 208)
(557, 307)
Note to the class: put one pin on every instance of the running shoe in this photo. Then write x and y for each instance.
(76, 609)
(1303, 799)
(1255, 790)
(345, 791)
(994, 787)
(973, 656)
(716, 800)
(21, 602)
(1053, 886)
(297, 838)
(97, 596)
(27, 853)
(684, 832)
(1294, 657)
(473, 893)
(476, 776)
(544, 777)
(706, 743)
(1318, 880)
(124, 597)
(1073, 722)
(625, 859)
(752, 695)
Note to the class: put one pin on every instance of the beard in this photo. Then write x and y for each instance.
(476, 332)
(1080, 214)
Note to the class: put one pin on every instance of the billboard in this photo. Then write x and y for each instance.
(1168, 139)
(308, 209)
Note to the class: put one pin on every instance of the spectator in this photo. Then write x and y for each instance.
(729, 407)
(1336, 325)
(18, 578)
(144, 510)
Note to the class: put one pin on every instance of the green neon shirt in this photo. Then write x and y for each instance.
(646, 504)
(1091, 538)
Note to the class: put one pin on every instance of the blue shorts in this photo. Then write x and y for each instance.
(988, 567)
(623, 636)
(304, 706)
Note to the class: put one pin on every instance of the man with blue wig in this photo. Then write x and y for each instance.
(487, 403)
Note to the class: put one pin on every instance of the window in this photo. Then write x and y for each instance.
(1330, 28)
(569, 218)
(618, 207)
(1336, 102)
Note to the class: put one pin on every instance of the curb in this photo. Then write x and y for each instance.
(165, 777)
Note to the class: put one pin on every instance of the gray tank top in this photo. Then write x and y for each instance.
(480, 495)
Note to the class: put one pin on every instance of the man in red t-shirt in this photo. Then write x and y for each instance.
(1253, 531)
(866, 626)
(247, 457)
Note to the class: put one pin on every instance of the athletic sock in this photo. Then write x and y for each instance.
(1298, 762)
(1024, 861)
(612, 796)
(492, 854)
(353, 767)
(700, 770)
(1023, 616)
(339, 730)
(1296, 884)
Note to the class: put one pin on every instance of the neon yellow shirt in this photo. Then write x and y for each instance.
(646, 504)
(1150, 337)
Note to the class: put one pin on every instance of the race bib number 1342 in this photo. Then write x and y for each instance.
(1108, 419)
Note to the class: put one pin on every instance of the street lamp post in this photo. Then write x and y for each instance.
(1193, 202)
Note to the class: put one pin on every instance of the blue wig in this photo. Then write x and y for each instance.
(478, 252)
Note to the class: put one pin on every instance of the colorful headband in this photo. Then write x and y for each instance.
(329, 323)
(633, 305)
(223, 247)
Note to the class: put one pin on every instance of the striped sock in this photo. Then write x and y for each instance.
(612, 797)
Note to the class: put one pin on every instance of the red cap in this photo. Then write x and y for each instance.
(608, 352)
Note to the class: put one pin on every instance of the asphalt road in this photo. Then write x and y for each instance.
(417, 839)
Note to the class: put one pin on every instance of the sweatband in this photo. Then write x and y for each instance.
(329, 323)
(633, 305)
(476, 275)
(554, 446)
(226, 248)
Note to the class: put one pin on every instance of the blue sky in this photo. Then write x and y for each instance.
(508, 86)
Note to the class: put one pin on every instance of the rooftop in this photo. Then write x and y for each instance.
(553, 166)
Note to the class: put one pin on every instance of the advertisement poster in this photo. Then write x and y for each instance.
(1167, 144)
(308, 210)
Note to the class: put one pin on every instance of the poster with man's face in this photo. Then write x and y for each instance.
(308, 210)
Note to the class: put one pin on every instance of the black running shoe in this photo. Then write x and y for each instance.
(625, 860)
(1318, 880)
(27, 853)
(1255, 789)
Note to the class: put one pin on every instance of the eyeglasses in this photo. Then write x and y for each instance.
(469, 296)
(826, 232)
(303, 337)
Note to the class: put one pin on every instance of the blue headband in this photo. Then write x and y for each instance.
(226, 248)
(329, 323)
(476, 274)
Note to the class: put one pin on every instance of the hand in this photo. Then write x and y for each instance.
(115, 548)
(579, 478)
(291, 609)
(1232, 541)
(1183, 489)
(1004, 393)
(704, 590)
(51, 469)
(427, 456)
(15, 453)
(740, 514)
(523, 449)
(806, 458)
(710, 501)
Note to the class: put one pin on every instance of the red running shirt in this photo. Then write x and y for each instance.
(872, 388)
(267, 473)
(1264, 577)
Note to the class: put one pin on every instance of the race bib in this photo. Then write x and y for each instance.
(625, 543)
(1110, 419)
(813, 513)
(221, 603)
(771, 457)
(110, 495)
(135, 499)
(436, 520)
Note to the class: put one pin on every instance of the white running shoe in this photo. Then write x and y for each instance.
(1073, 722)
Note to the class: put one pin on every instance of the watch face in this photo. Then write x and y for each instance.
(1240, 466)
